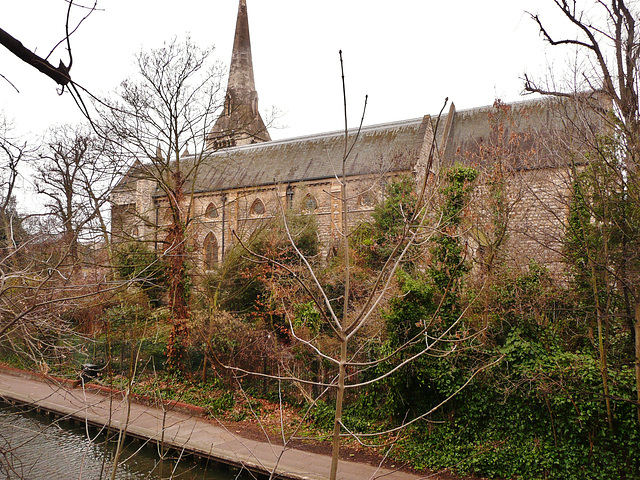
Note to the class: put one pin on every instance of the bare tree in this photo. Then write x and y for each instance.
(347, 314)
(161, 119)
(60, 168)
(606, 37)
(13, 152)
(76, 172)
(42, 282)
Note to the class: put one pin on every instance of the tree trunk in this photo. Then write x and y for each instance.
(337, 427)
(602, 342)
(177, 254)
(637, 334)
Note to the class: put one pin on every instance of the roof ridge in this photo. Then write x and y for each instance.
(368, 128)
(329, 134)
(518, 103)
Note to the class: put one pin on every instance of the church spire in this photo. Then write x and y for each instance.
(240, 122)
(241, 71)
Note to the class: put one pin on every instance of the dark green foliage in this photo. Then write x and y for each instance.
(410, 389)
(602, 240)
(136, 262)
(449, 264)
(126, 340)
(536, 305)
(121, 315)
(601, 248)
(426, 306)
(306, 315)
(540, 412)
(409, 311)
(376, 241)
(231, 286)
(242, 283)
(222, 403)
(323, 415)
(304, 231)
(537, 416)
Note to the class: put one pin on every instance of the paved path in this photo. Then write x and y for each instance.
(183, 430)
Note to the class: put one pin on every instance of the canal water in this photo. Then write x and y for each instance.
(33, 446)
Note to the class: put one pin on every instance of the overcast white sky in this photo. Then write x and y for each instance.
(407, 55)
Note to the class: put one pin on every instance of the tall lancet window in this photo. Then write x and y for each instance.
(210, 251)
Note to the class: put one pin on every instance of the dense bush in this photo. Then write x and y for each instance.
(136, 262)
(248, 284)
(539, 413)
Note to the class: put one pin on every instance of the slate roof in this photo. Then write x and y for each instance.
(530, 132)
(380, 148)
(390, 147)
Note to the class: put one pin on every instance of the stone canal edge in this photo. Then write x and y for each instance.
(176, 425)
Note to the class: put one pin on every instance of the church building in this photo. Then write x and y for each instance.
(247, 177)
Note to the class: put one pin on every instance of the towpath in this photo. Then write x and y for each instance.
(182, 430)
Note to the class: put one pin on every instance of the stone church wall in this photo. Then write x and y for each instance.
(235, 215)
(534, 214)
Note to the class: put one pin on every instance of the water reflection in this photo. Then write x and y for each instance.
(35, 448)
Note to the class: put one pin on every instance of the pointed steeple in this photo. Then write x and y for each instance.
(241, 72)
(240, 122)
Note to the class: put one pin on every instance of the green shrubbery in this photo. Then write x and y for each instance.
(539, 412)
(136, 262)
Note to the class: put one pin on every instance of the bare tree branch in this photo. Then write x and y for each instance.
(59, 74)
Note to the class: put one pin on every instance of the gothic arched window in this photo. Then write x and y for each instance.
(257, 207)
(227, 105)
(210, 251)
(211, 212)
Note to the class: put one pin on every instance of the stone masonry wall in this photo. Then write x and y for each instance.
(234, 214)
(536, 208)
